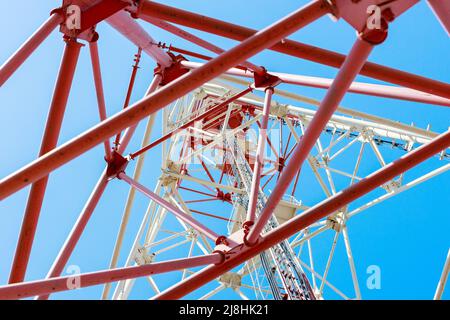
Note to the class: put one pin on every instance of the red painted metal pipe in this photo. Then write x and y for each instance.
(178, 88)
(349, 70)
(191, 122)
(49, 141)
(123, 144)
(198, 41)
(310, 216)
(93, 49)
(77, 230)
(376, 90)
(170, 207)
(292, 48)
(442, 11)
(257, 168)
(22, 54)
(130, 89)
(83, 219)
(47, 286)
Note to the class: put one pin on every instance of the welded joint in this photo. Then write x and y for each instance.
(377, 36)
(134, 8)
(79, 20)
(116, 165)
(172, 72)
(265, 81)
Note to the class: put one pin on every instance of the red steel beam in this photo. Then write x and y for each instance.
(95, 61)
(170, 207)
(137, 59)
(84, 217)
(310, 216)
(198, 41)
(77, 230)
(47, 286)
(259, 161)
(349, 70)
(376, 90)
(49, 142)
(178, 88)
(442, 11)
(154, 85)
(292, 48)
(22, 54)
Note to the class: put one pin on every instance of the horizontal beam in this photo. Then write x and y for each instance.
(371, 89)
(310, 216)
(293, 48)
(157, 100)
(48, 286)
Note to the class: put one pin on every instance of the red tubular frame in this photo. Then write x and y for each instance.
(22, 54)
(292, 48)
(442, 11)
(349, 70)
(49, 141)
(130, 90)
(93, 49)
(196, 40)
(47, 286)
(125, 140)
(85, 215)
(77, 230)
(170, 207)
(310, 216)
(376, 90)
(178, 88)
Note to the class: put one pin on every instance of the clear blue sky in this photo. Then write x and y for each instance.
(406, 236)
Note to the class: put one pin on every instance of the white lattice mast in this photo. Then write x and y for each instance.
(217, 162)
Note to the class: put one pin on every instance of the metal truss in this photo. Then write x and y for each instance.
(230, 209)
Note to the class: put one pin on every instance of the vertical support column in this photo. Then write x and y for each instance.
(22, 54)
(49, 141)
(93, 49)
(349, 70)
(251, 211)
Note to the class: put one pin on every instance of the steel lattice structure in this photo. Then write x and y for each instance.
(229, 141)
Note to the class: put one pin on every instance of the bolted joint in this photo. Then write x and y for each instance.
(378, 35)
(174, 71)
(59, 11)
(116, 165)
(94, 37)
(134, 8)
(265, 80)
(248, 243)
(246, 226)
(222, 240)
(223, 256)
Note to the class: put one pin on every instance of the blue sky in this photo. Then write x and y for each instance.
(406, 236)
